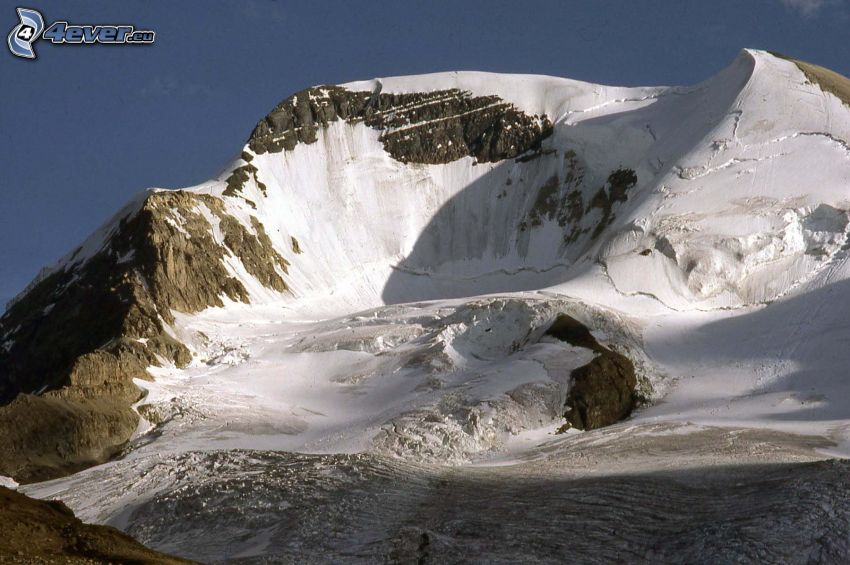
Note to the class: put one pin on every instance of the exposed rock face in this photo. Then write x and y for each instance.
(601, 392)
(35, 531)
(561, 199)
(80, 335)
(615, 190)
(240, 176)
(432, 127)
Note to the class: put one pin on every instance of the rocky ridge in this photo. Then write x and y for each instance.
(74, 342)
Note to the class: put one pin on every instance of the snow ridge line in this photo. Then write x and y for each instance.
(669, 91)
(835, 139)
(684, 173)
(503, 271)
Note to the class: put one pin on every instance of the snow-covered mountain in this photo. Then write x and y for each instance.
(405, 273)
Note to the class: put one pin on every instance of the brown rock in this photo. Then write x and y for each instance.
(36, 531)
(603, 391)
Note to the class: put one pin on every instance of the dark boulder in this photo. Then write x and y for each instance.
(603, 391)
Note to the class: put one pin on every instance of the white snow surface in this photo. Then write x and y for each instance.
(415, 320)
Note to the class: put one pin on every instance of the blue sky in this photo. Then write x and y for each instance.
(84, 127)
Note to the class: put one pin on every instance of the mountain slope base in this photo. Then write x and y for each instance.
(47, 532)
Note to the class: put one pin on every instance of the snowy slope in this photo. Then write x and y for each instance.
(740, 199)
(419, 294)
(740, 188)
(740, 195)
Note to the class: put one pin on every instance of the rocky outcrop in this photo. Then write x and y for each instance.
(424, 127)
(562, 199)
(601, 392)
(240, 175)
(615, 190)
(36, 531)
(70, 347)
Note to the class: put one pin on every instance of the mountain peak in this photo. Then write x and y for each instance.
(723, 195)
